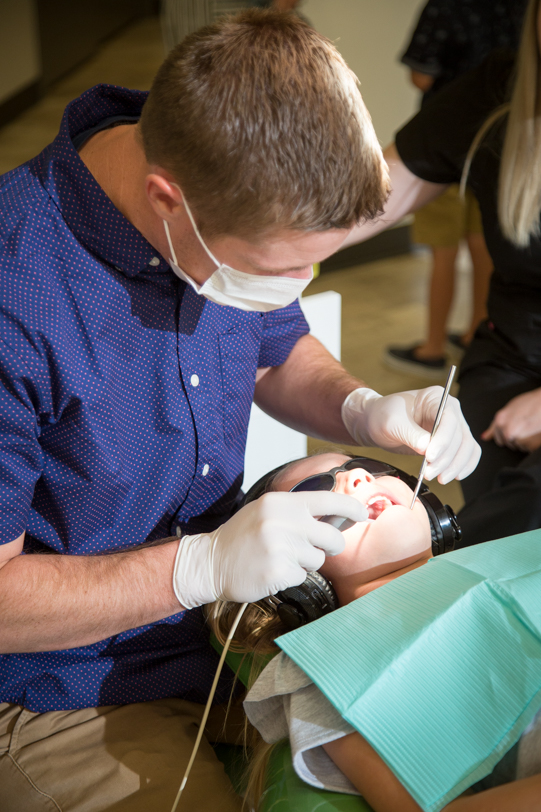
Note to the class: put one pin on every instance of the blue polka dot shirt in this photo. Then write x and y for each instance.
(124, 407)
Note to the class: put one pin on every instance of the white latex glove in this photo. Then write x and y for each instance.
(267, 546)
(402, 423)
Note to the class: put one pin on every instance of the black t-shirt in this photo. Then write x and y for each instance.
(433, 145)
(454, 36)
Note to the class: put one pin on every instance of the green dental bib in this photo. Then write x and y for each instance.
(440, 670)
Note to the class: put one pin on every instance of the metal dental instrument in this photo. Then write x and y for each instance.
(437, 421)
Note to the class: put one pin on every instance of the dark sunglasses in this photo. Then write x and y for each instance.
(327, 480)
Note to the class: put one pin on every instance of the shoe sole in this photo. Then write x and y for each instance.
(411, 368)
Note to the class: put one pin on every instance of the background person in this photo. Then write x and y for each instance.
(152, 257)
(500, 375)
(449, 39)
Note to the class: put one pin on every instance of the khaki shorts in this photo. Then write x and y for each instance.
(126, 758)
(448, 219)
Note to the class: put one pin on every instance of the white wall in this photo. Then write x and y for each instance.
(19, 50)
(270, 443)
(371, 35)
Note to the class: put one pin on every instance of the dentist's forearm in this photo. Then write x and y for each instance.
(52, 602)
(408, 194)
(307, 391)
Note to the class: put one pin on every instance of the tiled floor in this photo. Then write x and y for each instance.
(383, 302)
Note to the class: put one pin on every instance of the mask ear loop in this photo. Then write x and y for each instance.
(207, 706)
(169, 241)
(194, 226)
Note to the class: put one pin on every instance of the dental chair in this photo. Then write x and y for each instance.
(284, 792)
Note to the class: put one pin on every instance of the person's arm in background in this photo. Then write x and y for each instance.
(380, 787)
(518, 424)
(423, 57)
(423, 81)
(408, 193)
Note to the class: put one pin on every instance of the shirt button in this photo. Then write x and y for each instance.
(154, 261)
(206, 469)
(194, 380)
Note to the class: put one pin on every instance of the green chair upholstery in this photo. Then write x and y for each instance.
(285, 792)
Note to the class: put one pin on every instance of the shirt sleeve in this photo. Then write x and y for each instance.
(430, 39)
(284, 703)
(434, 143)
(20, 451)
(282, 329)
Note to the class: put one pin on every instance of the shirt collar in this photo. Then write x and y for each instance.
(88, 212)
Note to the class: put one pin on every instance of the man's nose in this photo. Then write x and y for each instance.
(351, 480)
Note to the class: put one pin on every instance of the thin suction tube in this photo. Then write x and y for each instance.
(208, 705)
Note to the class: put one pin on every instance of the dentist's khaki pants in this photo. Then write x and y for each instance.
(122, 758)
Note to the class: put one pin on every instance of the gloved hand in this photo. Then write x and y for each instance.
(402, 423)
(267, 546)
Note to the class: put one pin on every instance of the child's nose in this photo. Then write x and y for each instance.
(351, 480)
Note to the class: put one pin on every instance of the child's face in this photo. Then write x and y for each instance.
(394, 536)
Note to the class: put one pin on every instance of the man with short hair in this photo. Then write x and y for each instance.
(152, 257)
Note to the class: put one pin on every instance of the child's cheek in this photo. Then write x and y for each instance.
(349, 560)
(408, 529)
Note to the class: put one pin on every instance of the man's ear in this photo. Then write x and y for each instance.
(164, 196)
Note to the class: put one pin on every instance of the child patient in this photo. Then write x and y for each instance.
(284, 703)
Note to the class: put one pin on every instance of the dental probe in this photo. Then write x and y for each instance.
(437, 421)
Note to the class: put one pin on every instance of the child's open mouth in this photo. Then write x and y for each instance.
(376, 505)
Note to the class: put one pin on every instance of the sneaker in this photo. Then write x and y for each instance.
(403, 359)
(455, 343)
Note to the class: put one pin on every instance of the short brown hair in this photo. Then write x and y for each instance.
(262, 124)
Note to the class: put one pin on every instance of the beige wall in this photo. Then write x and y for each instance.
(371, 35)
(19, 54)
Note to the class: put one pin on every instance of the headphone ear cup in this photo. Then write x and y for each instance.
(444, 527)
(453, 521)
(290, 616)
(309, 601)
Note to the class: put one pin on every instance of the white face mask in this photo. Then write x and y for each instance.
(246, 291)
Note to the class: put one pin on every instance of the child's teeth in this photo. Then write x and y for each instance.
(377, 504)
(375, 499)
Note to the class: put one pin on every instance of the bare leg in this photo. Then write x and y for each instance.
(482, 271)
(441, 295)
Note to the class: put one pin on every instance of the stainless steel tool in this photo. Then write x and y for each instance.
(437, 421)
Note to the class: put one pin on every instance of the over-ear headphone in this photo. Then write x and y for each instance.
(301, 604)
(444, 527)
(316, 597)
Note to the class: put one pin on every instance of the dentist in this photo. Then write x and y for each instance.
(152, 258)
